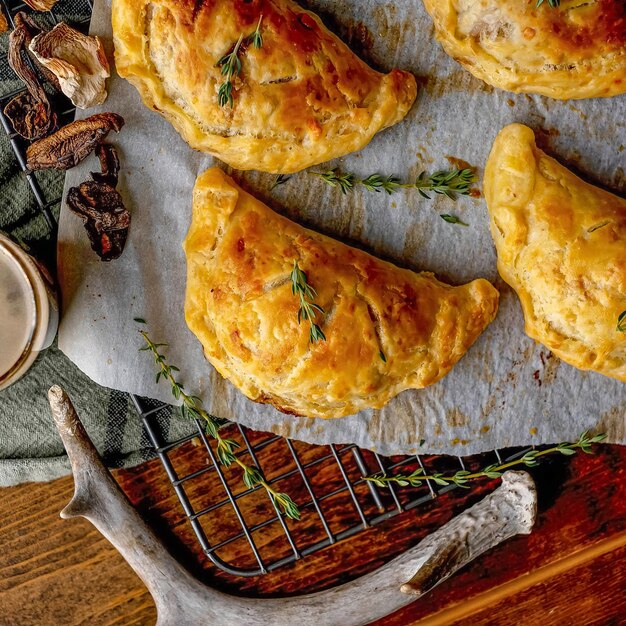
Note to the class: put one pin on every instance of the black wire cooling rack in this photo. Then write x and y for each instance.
(322, 479)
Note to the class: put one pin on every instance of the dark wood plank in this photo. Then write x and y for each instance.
(591, 593)
(76, 577)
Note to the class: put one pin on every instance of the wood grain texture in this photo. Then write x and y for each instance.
(593, 593)
(64, 572)
(552, 584)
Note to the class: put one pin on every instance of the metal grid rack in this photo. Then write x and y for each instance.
(347, 464)
(342, 467)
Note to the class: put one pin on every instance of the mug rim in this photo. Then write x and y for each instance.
(42, 312)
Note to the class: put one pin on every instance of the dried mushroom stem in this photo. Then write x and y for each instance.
(109, 164)
(72, 143)
(30, 114)
(32, 30)
(18, 40)
(78, 62)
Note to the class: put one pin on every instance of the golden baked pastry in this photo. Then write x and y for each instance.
(300, 99)
(386, 329)
(562, 246)
(576, 50)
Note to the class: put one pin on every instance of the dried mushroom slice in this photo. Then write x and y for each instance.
(101, 207)
(72, 143)
(31, 115)
(106, 218)
(30, 118)
(41, 5)
(78, 61)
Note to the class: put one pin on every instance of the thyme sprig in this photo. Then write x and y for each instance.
(462, 477)
(226, 448)
(553, 3)
(230, 64)
(308, 309)
(449, 183)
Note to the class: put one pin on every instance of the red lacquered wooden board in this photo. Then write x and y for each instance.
(571, 569)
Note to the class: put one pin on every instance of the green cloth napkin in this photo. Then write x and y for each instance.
(30, 447)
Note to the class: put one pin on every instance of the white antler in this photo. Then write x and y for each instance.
(181, 599)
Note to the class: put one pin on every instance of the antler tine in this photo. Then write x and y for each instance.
(79, 450)
(510, 510)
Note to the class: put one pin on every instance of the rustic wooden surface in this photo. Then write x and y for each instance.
(572, 569)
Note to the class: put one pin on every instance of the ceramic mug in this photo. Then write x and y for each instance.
(29, 315)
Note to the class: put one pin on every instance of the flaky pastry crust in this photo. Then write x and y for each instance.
(561, 245)
(301, 99)
(576, 50)
(387, 329)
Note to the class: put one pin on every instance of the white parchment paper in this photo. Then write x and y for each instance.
(506, 391)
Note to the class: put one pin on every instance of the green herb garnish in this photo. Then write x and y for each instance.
(553, 3)
(308, 309)
(226, 448)
(452, 219)
(447, 183)
(281, 179)
(230, 64)
(462, 477)
(621, 322)
(256, 38)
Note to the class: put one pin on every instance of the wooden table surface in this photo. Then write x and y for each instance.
(570, 570)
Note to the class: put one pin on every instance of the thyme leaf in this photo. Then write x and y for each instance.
(452, 219)
(621, 322)
(553, 3)
(226, 448)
